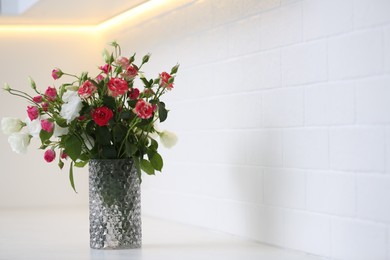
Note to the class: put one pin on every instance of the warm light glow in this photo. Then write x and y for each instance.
(45, 28)
(117, 20)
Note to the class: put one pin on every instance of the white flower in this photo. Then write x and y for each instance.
(11, 125)
(19, 142)
(168, 139)
(88, 140)
(59, 131)
(72, 106)
(33, 127)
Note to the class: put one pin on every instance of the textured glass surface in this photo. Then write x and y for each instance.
(114, 204)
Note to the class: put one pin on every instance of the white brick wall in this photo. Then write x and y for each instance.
(283, 116)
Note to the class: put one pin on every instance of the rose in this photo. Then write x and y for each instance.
(33, 127)
(47, 125)
(164, 80)
(117, 86)
(72, 106)
(123, 62)
(37, 99)
(102, 115)
(45, 106)
(51, 93)
(106, 68)
(32, 112)
(168, 139)
(56, 73)
(130, 72)
(143, 109)
(63, 155)
(99, 78)
(11, 125)
(19, 142)
(87, 89)
(134, 93)
(49, 155)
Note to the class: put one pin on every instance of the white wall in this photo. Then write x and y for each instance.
(282, 111)
(281, 108)
(27, 180)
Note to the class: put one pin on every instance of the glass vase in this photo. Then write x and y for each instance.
(114, 204)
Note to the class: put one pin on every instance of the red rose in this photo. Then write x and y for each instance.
(32, 112)
(134, 93)
(164, 81)
(51, 93)
(102, 115)
(143, 109)
(117, 86)
(87, 89)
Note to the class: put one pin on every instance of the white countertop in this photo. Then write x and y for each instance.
(63, 234)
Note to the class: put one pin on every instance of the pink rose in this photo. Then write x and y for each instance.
(87, 89)
(134, 93)
(56, 73)
(32, 112)
(51, 93)
(99, 78)
(50, 155)
(130, 72)
(47, 125)
(106, 68)
(123, 62)
(117, 86)
(143, 109)
(37, 99)
(45, 106)
(164, 81)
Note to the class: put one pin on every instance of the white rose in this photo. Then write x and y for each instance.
(60, 131)
(33, 127)
(71, 109)
(19, 142)
(11, 125)
(168, 139)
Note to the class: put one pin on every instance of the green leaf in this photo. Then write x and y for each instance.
(156, 161)
(109, 152)
(162, 112)
(71, 177)
(72, 147)
(60, 164)
(130, 148)
(103, 135)
(109, 102)
(126, 115)
(45, 136)
(153, 144)
(80, 164)
(147, 167)
(119, 132)
(146, 82)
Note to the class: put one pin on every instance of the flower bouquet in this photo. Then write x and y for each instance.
(111, 115)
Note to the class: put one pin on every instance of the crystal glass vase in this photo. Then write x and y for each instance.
(114, 204)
